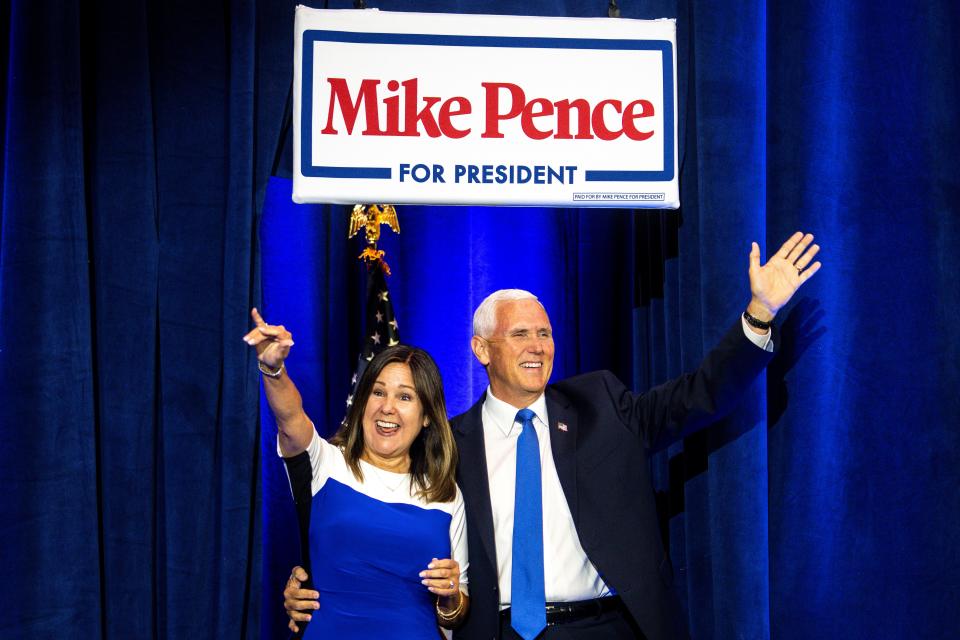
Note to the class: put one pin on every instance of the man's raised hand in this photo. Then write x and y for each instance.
(774, 283)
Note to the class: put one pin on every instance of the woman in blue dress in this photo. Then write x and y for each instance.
(387, 535)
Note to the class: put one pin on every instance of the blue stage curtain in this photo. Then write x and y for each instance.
(138, 138)
(140, 495)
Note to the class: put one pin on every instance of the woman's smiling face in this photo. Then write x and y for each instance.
(392, 419)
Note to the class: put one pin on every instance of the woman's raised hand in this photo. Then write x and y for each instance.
(272, 341)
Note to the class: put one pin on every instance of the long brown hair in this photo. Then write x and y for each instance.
(433, 455)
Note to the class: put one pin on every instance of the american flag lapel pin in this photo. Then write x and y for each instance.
(562, 426)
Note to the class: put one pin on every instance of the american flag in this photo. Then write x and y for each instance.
(381, 326)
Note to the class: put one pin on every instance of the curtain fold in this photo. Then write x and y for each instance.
(49, 504)
(138, 139)
(864, 508)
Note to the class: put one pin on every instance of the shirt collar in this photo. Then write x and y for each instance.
(504, 415)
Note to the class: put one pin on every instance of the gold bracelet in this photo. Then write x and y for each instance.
(270, 374)
(451, 616)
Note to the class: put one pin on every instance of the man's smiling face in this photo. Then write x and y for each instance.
(519, 354)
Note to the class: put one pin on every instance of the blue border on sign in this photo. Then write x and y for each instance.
(311, 36)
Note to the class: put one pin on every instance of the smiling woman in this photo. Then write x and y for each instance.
(398, 422)
(393, 419)
(387, 534)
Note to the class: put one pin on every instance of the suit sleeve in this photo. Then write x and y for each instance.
(458, 541)
(676, 408)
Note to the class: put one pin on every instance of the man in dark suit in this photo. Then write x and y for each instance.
(589, 562)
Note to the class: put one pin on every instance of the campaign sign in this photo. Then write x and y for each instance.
(416, 108)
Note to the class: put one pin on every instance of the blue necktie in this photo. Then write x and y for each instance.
(527, 607)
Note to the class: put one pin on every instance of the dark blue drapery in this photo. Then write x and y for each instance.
(138, 138)
(137, 141)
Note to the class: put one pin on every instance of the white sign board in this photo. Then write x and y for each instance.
(417, 108)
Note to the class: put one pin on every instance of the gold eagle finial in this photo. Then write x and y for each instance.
(369, 218)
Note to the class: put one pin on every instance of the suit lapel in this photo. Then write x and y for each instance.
(563, 444)
(473, 479)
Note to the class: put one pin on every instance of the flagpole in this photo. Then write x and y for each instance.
(381, 329)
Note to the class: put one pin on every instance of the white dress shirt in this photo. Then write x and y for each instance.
(568, 573)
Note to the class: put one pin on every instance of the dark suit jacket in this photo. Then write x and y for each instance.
(601, 459)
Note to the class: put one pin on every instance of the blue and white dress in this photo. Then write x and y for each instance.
(368, 542)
